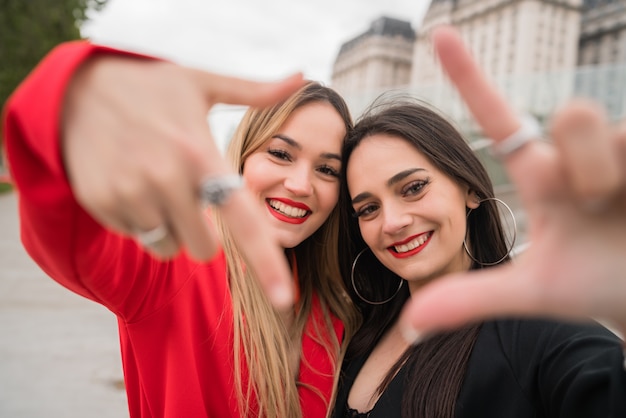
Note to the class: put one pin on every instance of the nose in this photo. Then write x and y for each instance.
(395, 218)
(299, 181)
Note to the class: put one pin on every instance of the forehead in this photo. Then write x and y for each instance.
(386, 153)
(315, 123)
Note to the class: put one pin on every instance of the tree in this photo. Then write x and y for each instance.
(31, 28)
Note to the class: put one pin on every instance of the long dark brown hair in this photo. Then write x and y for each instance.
(435, 368)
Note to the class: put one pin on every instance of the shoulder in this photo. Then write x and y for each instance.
(544, 333)
(544, 352)
(544, 365)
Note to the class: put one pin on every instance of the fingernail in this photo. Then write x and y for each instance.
(411, 335)
(281, 296)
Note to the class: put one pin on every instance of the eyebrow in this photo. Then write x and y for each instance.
(402, 175)
(288, 140)
(393, 180)
(293, 143)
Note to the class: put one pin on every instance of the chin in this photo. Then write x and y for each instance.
(288, 242)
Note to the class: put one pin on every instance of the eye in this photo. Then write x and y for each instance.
(329, 171)
(280, 154)
(414, 188)
(365, 211)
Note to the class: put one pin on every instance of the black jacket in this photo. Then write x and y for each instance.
(524, 369)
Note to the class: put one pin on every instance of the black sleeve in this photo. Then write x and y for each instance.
(567, 369)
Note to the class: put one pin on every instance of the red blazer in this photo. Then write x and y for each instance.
(175, 318)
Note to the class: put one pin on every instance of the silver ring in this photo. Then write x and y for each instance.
(529, 130)
(216, 190)
(153, 236)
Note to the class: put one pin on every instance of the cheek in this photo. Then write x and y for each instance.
(458, 225)
(255, 176)
(328, 195)
(368, 232)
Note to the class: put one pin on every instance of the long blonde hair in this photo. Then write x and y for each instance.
(260, 335)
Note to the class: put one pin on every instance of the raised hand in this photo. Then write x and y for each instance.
(136, 146)
(574, 193)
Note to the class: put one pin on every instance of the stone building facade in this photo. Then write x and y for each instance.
(540, 52)
(603, 33)
(378, 59)
(507, 37)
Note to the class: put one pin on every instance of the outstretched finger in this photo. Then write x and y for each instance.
(582, 133)
(232, 90)
(496, 117)
(489, 107)
(470, 298)
(244, 219)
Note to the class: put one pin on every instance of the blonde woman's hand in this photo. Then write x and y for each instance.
(136, 145)
(574, 194)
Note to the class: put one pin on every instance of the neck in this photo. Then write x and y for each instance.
(464, 265)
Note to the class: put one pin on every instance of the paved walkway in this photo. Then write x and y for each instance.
(59, 354)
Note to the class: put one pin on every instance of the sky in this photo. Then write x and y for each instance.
(257, 39)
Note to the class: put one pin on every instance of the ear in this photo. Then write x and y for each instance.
(471, 199)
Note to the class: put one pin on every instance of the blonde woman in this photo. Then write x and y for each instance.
(112, 158)
(293, 168)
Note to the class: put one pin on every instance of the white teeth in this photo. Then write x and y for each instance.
(288, 210)
(411, 245)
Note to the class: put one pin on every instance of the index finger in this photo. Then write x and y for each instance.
(232, 90)
(244, 219)
(489, 107)
(241, 212)
(496, 117)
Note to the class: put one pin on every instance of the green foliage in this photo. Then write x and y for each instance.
(5, 187)
(31, 28)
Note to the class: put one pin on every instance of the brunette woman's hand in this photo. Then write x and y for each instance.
(573, 191)
(136, 145)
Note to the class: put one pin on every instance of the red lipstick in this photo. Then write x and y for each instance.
(412, 252)
(285, 218)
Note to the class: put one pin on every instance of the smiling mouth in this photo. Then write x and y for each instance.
(411, 245)
(286, 210)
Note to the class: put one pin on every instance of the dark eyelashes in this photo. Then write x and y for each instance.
(285, 156)
(362, 212)
(326, 169)
(412, 191)
(415, 187)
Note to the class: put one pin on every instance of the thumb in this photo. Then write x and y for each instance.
(466, 298)
(232, 90)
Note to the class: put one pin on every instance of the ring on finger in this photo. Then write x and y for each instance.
(152, 236)
(528, 131)
(216, 190)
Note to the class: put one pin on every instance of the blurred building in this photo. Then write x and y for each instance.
(379, 58)
(601, 74)
(603, 33)
(507, 37)
(540, 53)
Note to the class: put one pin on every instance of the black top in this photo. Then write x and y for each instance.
(523, 368)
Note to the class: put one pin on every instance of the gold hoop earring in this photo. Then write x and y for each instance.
(495, 199)
(357, 291)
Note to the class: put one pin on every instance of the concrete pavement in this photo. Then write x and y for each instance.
(59, 353)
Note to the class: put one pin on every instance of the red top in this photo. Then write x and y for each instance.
(175, 318)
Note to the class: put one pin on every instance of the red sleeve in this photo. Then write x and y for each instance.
(57, 233)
